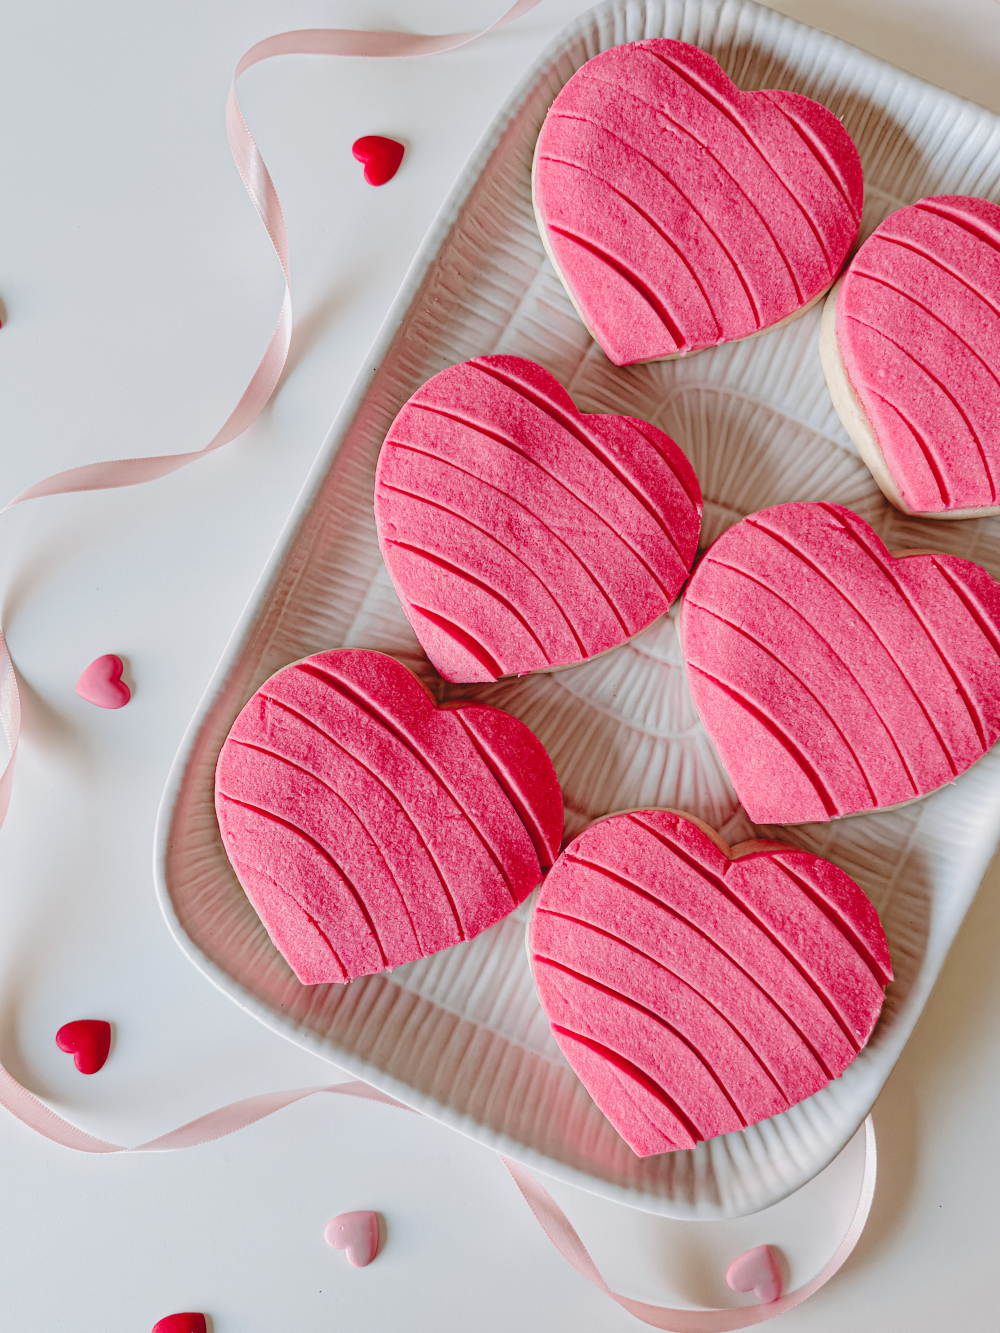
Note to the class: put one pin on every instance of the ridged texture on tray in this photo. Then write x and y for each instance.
(370, 827)
(460, 1035)
(832, 676)
(918, 326)
(521, 534)
(696, 994)
(681, 212)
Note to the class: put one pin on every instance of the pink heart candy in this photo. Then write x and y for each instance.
(757, 1271)
(681, 212)
(918, 329)
(187, 1322)
(370, 827)
(101, 683)
(381, 157)
(696, 988)
(832, 676)
(522, 534)
(88, 1040)
(357, 1233)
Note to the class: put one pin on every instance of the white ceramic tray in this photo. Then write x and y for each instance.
(460, 1036)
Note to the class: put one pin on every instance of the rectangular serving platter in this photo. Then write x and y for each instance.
(460, 1036)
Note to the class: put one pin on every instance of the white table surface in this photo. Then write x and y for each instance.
(138, 291)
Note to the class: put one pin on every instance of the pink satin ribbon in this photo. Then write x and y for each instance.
(549, 1216)
(131, 472)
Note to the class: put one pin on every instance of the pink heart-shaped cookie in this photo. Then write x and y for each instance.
(381, 157)
(102, 683)
(370, 827)
(756, 1270)
(832, 676)
(680, 212)
(522, 534)
(357, 1233)
(186, 1322)
(697, 988)
(910, 345)
(88, 1041)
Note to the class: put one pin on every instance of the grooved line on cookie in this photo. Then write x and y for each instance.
(752, 638)
(393, 795)
(730, 113)
(818, 151)
(909, 244)
(463, 638)
(856, 319)
(674, 911)
(305, 912)
(921, 443)
(372, 711)
(830, 1001)
(588, 120)
(810, 564)
(283, 759)
(523, 812)
(645, 292)
(436, 504)
(626, 1066)
(464, 574)
(915, 612)
(647, 217)
(722, 167)
(591, 442)
(318, 847)
(398, 443)
(776, 731)
(685, 981)
(641, 427)
(987, 630)
(842, 923)
(958, 219)
(743, 573)
(497, 438)
(592, 984)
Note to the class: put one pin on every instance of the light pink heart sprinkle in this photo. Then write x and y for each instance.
(756, 1270)
(357, 1233)
(102, 683)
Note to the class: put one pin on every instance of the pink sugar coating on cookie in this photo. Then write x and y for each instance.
(833, 677)
(370, 827)
(522, 534)
(918, 326)
(682, 212)
(695, 994)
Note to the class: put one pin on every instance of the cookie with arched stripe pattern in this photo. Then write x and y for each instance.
(370, 827)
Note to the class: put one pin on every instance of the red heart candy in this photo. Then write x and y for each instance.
(380, 156)
(357, 1233)
(696, 988)
(188, 1322)
(88, 1041)
(916, 330)
(522, 534)
(680, 212)
(101, 683)
(832, 676)
(756, 1270)
(370, 827)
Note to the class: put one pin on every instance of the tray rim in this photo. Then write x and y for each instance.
(254, 612)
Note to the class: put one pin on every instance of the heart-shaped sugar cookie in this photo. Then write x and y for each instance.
(680, 212)
(370, 827)
(522, 534)
(832, 676)
(910, 345)
(697, 988)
